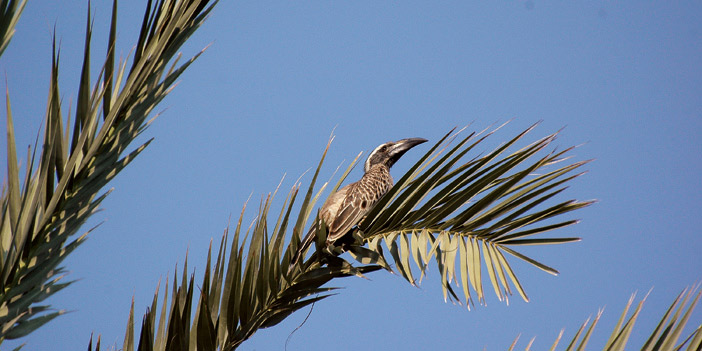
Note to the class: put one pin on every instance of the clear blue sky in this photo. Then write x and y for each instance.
(624, 78)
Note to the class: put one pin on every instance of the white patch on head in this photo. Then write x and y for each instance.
(367, 165)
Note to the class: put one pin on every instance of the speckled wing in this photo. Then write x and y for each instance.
(328, 213)
(332, 204)
(350, 211)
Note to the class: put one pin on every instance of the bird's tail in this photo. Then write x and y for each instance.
(304, 245)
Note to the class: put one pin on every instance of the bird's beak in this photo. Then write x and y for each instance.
(401, 146)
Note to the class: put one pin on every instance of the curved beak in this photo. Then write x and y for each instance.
(401, 146)
(406, 144)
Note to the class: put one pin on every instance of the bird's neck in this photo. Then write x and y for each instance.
(379, 173)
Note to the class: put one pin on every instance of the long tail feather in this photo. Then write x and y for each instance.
(304, 245)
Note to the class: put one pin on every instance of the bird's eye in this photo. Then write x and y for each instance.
(384, 148)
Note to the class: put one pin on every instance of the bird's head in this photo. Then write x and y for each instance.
(390, 152)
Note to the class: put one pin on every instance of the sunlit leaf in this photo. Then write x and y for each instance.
(69, 166)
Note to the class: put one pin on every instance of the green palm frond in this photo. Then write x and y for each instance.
(10, 11)
(664, 337)
(255, 287)
(42, 212)
(468, 213)
(251, 289)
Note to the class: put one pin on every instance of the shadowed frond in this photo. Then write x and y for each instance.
(43, 211)
(466, 213)
(251, 289)
(10, 11)
(665, 336)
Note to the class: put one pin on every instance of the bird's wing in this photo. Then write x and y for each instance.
(354, 206)
(327, 212)
(333, 204)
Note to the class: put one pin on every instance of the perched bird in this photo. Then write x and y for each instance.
(346, 207)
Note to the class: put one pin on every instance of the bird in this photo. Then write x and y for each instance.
(346, 207)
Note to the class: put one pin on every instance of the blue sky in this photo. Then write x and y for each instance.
(623, 78)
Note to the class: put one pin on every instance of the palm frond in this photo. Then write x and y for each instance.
(60, 190)
(251, 289)
(257, 287)
(466, 214)
(664, 337)
(10, 11)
